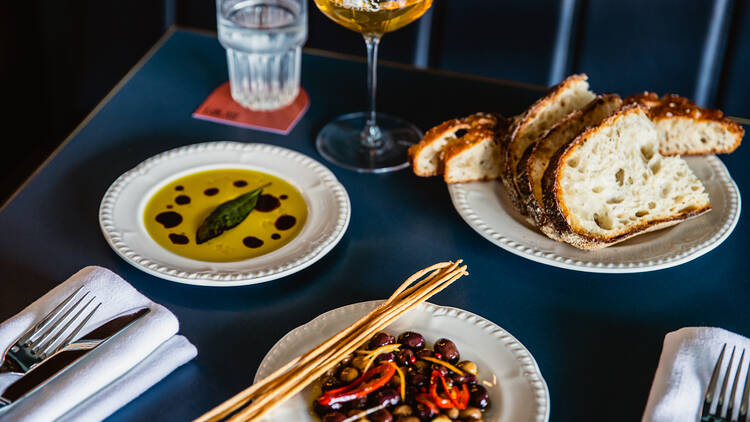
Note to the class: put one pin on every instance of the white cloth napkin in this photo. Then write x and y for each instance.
(685, 367)
(110, 375)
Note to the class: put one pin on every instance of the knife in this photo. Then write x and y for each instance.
(68, 355)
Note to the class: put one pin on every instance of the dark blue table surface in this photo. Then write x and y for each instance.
(596, 337)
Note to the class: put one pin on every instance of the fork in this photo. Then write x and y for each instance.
(42, 340)
(720, 414)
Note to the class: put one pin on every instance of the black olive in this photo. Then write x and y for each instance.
(329, 384)
(358, 403)
(418, 380)
(386, 357)
(425, 353)
(441, 369)
(411, 340)
(382, 415)
(424, 412)
(379, 340)
(411, 393)
(448, 350)
(322, 409)
(479, 397)
(404, 358)
(466, 378)
(385, 395)
(334, 417)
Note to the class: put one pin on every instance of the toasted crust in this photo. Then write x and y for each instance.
(557, 211)
(426, 156)
(517, 142)
(672, 107)
(537, 155)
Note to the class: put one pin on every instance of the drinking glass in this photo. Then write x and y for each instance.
(370, 141)
(263, 39)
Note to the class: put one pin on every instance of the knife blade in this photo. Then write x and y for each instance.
(69, 355)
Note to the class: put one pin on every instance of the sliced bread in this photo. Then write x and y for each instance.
(476, 156)
(426, 156)
(531, 169)
(569, 95)
(611, 183)
(686, 129)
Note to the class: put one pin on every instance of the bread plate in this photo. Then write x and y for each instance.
(516, 387)
(486, 208)
(122, 209)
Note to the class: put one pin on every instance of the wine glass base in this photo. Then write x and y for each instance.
(340, 142)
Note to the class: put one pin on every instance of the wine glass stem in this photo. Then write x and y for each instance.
(371, 135)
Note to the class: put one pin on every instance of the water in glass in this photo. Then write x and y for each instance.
(263, 40)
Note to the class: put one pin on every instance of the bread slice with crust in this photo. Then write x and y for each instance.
(567, 96)
(686, 129)
(476, 156)
(426, 156)
(611, 183)
(532, 166)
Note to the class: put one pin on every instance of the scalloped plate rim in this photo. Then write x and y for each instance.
(219, 278)
(519, 350)
(456, 191)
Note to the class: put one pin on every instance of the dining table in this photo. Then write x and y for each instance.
(596, 337)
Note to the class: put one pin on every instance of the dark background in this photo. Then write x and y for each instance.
(60, 58)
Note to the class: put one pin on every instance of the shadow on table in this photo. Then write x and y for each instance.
(609, 373)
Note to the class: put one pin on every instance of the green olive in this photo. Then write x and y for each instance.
(402, 410)
(471, 413)
(359, 362)
(469, 367)
(348, 374)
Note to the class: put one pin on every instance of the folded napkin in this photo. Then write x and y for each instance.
(110, 375)
(685, 367)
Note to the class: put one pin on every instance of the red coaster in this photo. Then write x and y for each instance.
(221, 108)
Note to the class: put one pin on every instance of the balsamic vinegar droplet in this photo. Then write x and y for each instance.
(169, 219)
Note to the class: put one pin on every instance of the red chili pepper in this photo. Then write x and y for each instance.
(362, 386)
(440, 401)
(463, 397)
(425, 400)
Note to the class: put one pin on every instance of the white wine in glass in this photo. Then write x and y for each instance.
(370, 141)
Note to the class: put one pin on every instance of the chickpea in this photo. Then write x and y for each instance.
(402, 410)
(469, 367)
(471, 414)
(452, 413)
(442, 418)
(407, 419)
(348, 374)
(359, 363)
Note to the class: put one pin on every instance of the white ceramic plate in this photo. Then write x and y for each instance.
(121, 213)
(517, 390)
(487, 209)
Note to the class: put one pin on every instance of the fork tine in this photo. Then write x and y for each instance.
(74, 333)
(56, 321)
(724, 383)
(51, 314)
(733, 394)
(745, 397)
(711, 389)
(50, 339)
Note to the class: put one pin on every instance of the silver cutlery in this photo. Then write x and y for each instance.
(43, 339)
(68, 355)
(723, 413)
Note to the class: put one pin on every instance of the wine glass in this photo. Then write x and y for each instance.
(368, 141)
